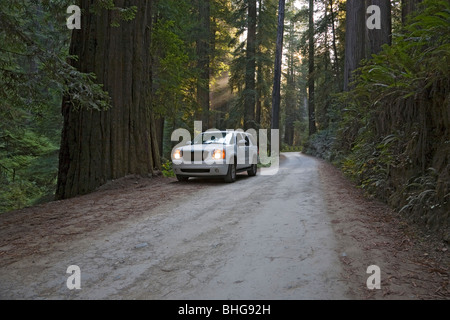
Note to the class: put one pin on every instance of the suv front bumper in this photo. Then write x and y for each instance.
(200, 169)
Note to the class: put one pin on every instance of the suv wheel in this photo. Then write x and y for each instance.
(253, 170)
(231, 175)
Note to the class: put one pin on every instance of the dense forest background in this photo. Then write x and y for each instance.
(81, 107)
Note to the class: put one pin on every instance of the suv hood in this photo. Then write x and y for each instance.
(202, 147)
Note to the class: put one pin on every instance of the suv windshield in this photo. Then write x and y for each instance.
(219, 137)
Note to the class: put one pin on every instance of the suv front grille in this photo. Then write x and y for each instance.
(195, 156)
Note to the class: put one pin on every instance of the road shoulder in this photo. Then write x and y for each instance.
(368, 232)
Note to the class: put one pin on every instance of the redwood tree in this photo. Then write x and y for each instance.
(250, 83)
(277, 69)
(376, 38)
(354, 38)
(408, 7)
(203, 63)
(98, 146)
(360, 41)
(311, 67)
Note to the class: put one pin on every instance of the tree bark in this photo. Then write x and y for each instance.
(354, 39)
(97, 146)
(250, 83)
(408, 7)
(376, 38)
(203, 53)
(277, 72)
(311, 80)
(259, 70)
(290, 95)
(333, 28)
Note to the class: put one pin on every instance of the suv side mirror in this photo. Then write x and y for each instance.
(241, 143)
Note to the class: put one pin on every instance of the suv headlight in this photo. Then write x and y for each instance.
(177, 154)
(218, 154)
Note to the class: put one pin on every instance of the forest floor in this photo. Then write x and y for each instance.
(156, 238)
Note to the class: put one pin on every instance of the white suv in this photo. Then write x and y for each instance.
(216, 153)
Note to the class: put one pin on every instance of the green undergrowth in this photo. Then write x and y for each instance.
(393, 135)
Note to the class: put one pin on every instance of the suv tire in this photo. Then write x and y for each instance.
(253, 170)
(231, 175)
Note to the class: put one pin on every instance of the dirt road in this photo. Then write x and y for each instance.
(304, 233)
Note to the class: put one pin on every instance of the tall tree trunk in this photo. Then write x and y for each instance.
(291, 101)
(259, 70)
(100, 146)
(354, 38)
(311, 85)
(376, 38)
(277, 72)
(322, 117)
(159, 124)
(213, 118)
(203, 53)
(408, 7)
(250, 83)
(290, 95)
(333, 28)
(258, 98)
